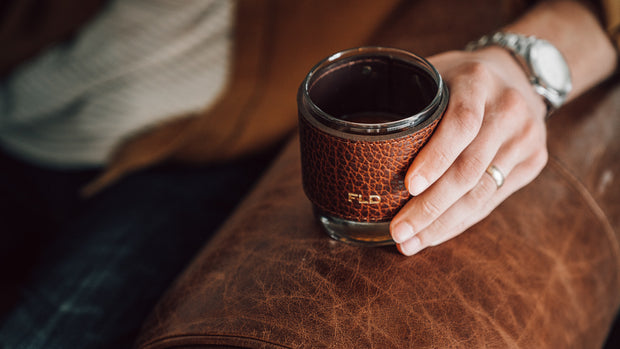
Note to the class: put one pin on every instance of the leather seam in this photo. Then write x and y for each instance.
(595, 208)
(341, 140)
(203, 339)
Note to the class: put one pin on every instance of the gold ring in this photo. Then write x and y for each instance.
(497, 175)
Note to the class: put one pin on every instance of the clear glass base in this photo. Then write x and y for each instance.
(358, 233)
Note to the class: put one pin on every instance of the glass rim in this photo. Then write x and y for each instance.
(396, 53)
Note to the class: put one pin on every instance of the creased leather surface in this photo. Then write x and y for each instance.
(540, 272)
(335, 168)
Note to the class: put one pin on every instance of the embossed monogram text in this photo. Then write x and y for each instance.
(359, 198)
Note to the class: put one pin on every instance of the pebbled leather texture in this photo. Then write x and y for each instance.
(358, 179)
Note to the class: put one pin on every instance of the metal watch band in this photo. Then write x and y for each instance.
(513, 42)
(520, 46)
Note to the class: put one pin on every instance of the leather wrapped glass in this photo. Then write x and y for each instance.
(364, 113)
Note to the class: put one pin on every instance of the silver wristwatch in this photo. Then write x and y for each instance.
(543, 63)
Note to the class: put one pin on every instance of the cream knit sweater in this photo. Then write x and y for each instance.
(135, 64)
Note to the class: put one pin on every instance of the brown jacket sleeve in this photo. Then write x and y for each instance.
(276, 44)
(611, 10)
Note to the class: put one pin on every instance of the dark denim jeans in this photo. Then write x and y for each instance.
(85, 273)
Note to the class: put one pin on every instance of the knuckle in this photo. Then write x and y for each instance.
(481, 193)
(469, 121)
(530, 132)
(540, 159)
(511, 101)
(430, 210)
(442, 156)
(468, 170)
(534, 135)
(477, 71)
(530, 138)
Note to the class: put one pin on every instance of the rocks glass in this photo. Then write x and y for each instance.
(364, 114)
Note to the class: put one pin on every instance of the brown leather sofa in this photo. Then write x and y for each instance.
(542, 271)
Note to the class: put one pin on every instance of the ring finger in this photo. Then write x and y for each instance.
(472, 207)
(460, 178)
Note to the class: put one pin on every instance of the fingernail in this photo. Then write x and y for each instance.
(417, 185)
(402, 232)
(411, 246)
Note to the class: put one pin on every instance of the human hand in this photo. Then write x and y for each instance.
(494, 117)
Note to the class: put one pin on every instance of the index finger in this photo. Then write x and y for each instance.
(460, 125)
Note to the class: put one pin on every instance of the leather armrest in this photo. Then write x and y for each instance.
(541, 271)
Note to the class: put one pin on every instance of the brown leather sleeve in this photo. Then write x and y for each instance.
(335, 168)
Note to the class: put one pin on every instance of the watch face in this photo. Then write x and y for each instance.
(549, 65)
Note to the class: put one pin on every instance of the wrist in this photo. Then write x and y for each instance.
(574, 30)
